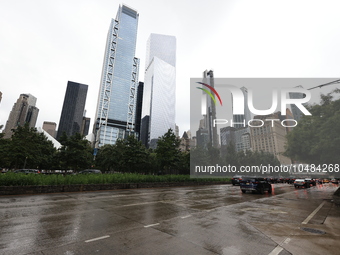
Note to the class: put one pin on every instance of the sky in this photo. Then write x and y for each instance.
(46, 43)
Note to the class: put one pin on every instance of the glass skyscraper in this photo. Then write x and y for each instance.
(159, 95)
(71, 117)
(241, 120)
(115, 114)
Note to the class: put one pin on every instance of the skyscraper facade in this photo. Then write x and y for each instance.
(115, 113)
(71, 117)
(208, 78)
(241, 120)
(270, 137)
(297, 113)
(139, 105)
(159, 96)
(50, 128)
(23, 111)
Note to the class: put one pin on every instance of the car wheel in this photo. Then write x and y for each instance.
(261, 190)
(270, 190)
(243, 191)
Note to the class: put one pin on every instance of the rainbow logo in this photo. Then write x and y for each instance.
(209, 93)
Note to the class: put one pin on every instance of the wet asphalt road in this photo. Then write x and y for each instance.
(215, 219)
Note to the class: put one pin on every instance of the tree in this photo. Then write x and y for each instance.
(29, 149)
(105, 158)
(316, 138)
(168, 153)
(126, 155)
(75, 153)
(135, 156)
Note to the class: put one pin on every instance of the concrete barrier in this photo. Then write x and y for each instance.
(24, 190)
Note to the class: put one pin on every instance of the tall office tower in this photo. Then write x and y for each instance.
(297, 114)
(50, 128)
(139, 105)
(177, 131)
(159, 97)
(115, 114)
(270, 137)
(71, 117)
(241, 120)
(208, 78)
(23, 111)
(85, 126)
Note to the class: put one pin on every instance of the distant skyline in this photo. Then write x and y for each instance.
(46, 43)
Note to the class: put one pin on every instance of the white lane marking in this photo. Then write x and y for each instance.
(276, 251)
(187, 216)
(287, 240)
(313, 213)
(95, 239)
(144, 203)
(151, 225)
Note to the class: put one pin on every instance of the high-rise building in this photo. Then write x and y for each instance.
(239, 137)
(85, 126)
(270, 137)
(71, 117)
(241, 120)
(213, 139)
(50, 128)
(23, 111)
(116, 106)
(159, 96)
(139, 106)
(297, 113)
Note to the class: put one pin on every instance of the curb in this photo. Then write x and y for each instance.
(29, 190)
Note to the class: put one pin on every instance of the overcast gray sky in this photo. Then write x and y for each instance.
(45, 43)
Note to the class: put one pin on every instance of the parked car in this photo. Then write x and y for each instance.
(311, 181)
(301, 183)
(290, 179)
(27, 171)
(236, 180)
(335, 181)
(90, 171)
(255, 185)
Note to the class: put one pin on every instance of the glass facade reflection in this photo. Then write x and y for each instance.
(159, 95)
(115, 114)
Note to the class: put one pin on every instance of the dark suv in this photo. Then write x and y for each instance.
(255, 185)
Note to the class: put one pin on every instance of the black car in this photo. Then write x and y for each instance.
(90, 171)
(27, 171)
(236, 180)
(255, 185)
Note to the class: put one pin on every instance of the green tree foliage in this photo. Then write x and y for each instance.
(128, 155)
(105, 158)
(316, 138)
(27, 149)
(168, 153)
(75, 152)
